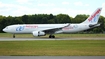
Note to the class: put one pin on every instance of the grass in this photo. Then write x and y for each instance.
(80, 35)
(53, 48)
(17, 35)
(57, 35)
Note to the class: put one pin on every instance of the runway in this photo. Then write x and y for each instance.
(52, 57)
(41, 38)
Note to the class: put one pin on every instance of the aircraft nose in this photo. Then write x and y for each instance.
(4, 29)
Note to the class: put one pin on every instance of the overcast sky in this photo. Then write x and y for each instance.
(70, 7)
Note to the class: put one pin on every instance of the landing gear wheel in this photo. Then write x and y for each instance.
(13, 35)
(51, 36)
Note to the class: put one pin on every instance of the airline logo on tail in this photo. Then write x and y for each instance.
(93, 17)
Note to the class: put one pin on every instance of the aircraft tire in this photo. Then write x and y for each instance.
(13, 35)
(51, 36)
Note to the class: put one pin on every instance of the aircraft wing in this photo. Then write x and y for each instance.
(53, 29)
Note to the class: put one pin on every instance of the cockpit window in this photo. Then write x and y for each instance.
(6, 28)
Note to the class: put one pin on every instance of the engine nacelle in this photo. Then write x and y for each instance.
(38, 33)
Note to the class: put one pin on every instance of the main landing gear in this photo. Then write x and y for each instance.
(51, 36)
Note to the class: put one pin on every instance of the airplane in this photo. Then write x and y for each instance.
(51, 29)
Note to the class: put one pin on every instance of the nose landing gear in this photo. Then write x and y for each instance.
(13, 35)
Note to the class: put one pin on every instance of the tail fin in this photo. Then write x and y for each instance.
(93, 19)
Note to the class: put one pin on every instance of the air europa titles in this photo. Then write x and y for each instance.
(31, 26)
(94, 14)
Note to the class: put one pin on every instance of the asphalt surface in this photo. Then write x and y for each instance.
(28, 39)
(52, 57)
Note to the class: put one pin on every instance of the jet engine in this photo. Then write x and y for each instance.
(39, 33)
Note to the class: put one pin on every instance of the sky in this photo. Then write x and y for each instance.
(55, 7)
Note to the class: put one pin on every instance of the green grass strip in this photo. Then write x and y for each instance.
(53, 48)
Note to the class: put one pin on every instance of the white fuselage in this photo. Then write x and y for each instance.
(29, 28)
(75, 28)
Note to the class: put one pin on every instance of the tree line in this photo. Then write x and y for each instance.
(49, 19)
